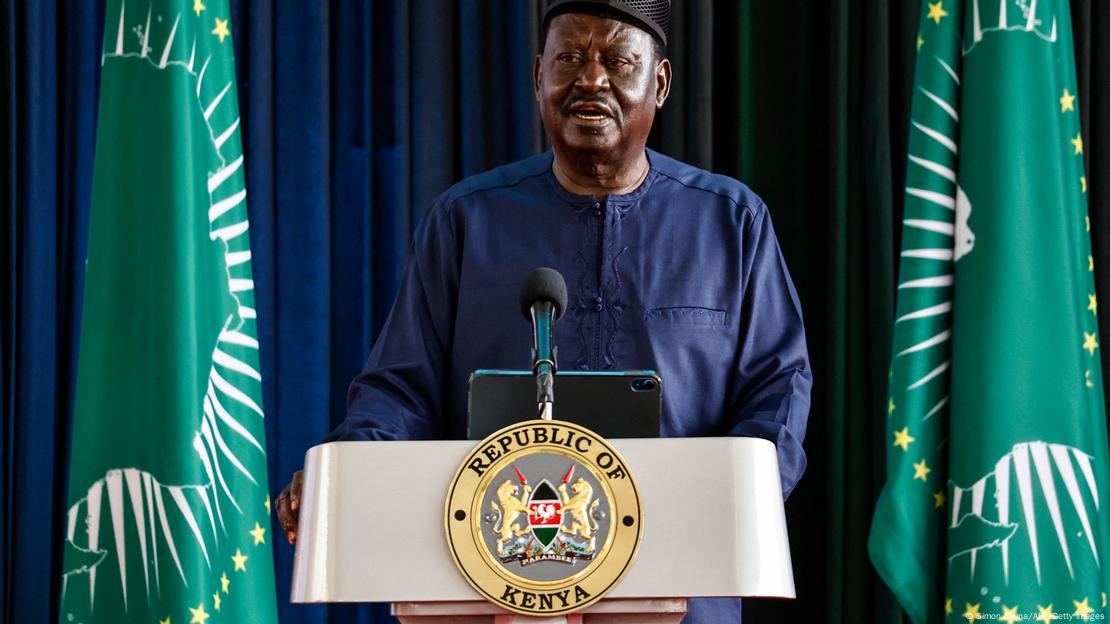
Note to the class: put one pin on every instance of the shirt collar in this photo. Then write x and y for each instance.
(588, 200)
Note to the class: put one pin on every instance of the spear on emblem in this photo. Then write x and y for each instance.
(570, 473)
(525, 489)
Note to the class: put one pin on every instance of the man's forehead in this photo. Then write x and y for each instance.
(583, 27)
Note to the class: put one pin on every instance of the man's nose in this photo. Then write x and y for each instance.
(593, 77)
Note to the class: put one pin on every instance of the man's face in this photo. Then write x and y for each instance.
(598, 84)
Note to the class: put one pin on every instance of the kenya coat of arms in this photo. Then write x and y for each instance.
(543, 517)
(561, 524)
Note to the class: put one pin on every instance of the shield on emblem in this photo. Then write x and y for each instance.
(545, 513)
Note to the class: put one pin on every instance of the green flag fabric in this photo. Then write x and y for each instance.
(168, 514)
(995, 501)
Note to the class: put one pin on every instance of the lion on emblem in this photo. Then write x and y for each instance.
(580, 509)
(510, 509)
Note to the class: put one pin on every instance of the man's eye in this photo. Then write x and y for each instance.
(618, 63)
(569, 58)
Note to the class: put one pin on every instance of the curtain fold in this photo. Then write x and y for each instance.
(356, 115)
(1090, 23)
(48, 104)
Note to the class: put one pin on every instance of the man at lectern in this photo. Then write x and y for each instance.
(668, 267)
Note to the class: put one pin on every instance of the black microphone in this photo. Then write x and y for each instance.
(543, 300)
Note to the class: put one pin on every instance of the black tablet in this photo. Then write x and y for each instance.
(614, 404)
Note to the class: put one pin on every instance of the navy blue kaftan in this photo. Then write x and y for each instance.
(683, 275)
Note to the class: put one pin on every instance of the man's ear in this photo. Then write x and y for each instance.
(662, 82)
(537, 74)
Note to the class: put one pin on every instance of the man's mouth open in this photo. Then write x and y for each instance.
(590, 116)
(590, 113)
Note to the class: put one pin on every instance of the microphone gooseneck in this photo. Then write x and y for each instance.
(543, 300)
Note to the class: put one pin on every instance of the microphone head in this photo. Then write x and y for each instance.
(543, 284)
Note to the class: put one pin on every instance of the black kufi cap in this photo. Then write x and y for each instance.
(654, 16)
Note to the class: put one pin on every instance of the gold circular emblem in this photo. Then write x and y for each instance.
(543, 517)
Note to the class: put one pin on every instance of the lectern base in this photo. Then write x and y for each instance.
(607, 611)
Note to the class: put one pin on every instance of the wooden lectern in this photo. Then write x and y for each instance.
(372, 530)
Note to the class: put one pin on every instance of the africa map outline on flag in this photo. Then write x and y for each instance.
(1020, 464)
(144, 491)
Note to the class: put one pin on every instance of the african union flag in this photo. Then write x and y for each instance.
(995, 506)
(168, 512)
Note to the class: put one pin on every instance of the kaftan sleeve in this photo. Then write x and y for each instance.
(772, 372)
(401, 392)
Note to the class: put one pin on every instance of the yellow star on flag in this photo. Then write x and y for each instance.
(1046, 614)
(165, 621)
(1087, 220)
(920, 470)
(903, 438)
(948, 606)
(939, 498)
(936, 11)
(199, 616)
(1092, 304)
(1103, 600)
(224, 582)
(972, 611)
(1083, 183)
(198, 6)
(1089, 343)
(1078, 143)
(259, 534)
(1090, 384)
(890, 406)
(1067, 102)
(267, 505)
(920, 41)
(240, 560)
(216, 601)
(1009, 615)
(1090, 263)
(221, 30)
(1082, 609)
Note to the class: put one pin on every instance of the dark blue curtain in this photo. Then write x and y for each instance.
(356, 114)
(48, 107)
